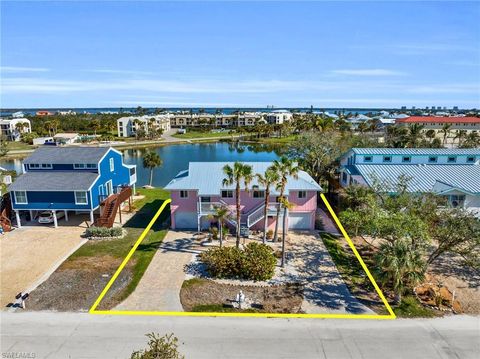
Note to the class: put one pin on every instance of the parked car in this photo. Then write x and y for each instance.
(47, 216)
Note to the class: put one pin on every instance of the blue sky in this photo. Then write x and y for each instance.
(231, 54)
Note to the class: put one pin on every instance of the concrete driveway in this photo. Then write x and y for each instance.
(30, 254)
(159, 288)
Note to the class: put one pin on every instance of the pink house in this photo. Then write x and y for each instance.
(197, 191)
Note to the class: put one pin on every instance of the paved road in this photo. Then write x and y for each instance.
(74, 335)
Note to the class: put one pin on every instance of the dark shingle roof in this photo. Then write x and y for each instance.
(54, 181)
(67, 155)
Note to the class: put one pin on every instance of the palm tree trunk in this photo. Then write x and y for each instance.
(151, 176)
(275, 236)
(237, 194)
(265, 217)
(284, 232)
(220, 230)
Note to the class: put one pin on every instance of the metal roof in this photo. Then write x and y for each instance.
(423, 177)
(67, 155)
(207, 177)
(54, 181)
(417, 151)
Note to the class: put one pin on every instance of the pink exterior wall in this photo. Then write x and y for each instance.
(307, 204)
(188, 204)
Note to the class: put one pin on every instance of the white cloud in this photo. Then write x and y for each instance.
(17, 69)
(368, 72)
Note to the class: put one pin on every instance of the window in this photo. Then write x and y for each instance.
(258, 194)
(183, 194)
(456, 200)
(451, 159)
(367, 158)
(112, 165)
(132, 171)
(34, 165)
(79, 166)
(470, 159)
(81, 197)
(91, 165)
(344, 177)
(40, 165)
(46, 165)
(432, 159)
(387, 158)
(227, 194)
(205, 199)
(406, 159)
(20, 197)
(302, 194)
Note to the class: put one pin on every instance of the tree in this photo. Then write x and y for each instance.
(400, 265)
(165, 347)
(95, 125)
(137, 123)
(284, 167)
(286, 205)
(270, 178)
(151, 160)
(221, 214)
(430, 134)
(458, 231)
(3, 146)
(446, 131)
(414, 135)
(236, 175)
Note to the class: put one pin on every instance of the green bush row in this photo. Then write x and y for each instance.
(256, 262)
(103, 232)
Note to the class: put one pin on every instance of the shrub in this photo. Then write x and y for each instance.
(255, 262)
(269, 234)
(258, 262)
(103, 232)
(165, 347)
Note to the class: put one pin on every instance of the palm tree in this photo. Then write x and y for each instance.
(430, 134)
(286, 206)
(414, 134)
(221, 213)
(363, 127)
(400, 265)
(235, 175)
(151, 160)
(446, 131)
(95, 125)
(270, 178)
(136, 124)
(460, 135)
(284, 167)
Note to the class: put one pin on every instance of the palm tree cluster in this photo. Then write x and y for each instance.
(275, 176)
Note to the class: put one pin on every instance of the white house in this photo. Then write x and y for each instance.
(12, 128)
(277, 117)
(66, 138)
(452, 173)
(127, 126)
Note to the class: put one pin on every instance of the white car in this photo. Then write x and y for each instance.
(47, 216)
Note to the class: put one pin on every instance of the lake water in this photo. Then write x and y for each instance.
(176, 158)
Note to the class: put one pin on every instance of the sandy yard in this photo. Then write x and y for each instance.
(30, 254)
(449, 271)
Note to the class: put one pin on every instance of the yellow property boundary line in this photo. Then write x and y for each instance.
(93, 309)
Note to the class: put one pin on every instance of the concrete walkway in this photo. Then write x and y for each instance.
(325, 291)
(328, 225)
(159, 288)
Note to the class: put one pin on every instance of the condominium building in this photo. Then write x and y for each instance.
(128, 126)
(278, 117)
(12, 128)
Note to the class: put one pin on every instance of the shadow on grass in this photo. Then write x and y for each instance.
(142, 218)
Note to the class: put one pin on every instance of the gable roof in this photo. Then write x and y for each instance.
(437, 119)
(54, 181)
(424, 177)
(207, 177)
(67, 155)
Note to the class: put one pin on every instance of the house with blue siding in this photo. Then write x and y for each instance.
(451, 173)
(69, 179)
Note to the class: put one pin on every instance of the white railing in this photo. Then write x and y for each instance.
(207, 207)
(255, 215)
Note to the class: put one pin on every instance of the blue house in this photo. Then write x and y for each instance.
(67, 179)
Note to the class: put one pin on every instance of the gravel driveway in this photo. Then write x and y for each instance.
(325, 290)
(30, 254)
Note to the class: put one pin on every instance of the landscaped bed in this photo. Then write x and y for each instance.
(204, 295)
(76, 284)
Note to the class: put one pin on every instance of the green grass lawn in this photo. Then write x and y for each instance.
(410, 307)
(276, 140)
(16, 146)
(119, 248)
(192, 134)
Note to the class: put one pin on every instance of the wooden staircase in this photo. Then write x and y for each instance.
(5, 213)
(110, 207)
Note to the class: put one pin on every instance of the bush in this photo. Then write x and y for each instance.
(103, 232)
(165, 347)
(255, 262)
